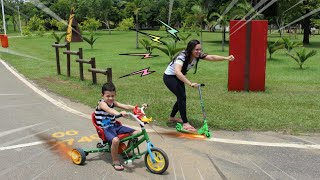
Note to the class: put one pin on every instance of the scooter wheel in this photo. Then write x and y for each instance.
(179, 127)
(161, 158)
(78, 156)
(208, 134)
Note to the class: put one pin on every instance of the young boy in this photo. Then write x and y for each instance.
(104, 115)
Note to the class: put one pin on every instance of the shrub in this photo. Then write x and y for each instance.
(302, 55)
(125, 24)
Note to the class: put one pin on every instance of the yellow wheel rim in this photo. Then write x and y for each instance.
(76, 156)
(160, 161)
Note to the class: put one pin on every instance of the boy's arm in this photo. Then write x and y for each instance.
(106, 108)
(123, 106)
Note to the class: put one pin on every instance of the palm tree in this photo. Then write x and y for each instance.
(274, 46)
(184, 37)
(170, 48)
(136, 13)
(223, 21)
(302, 56)
(289, 45)
(147, 44)
(242, 9)
(200, 16)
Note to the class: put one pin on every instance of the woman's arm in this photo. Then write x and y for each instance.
(181, 77)
(218, 58)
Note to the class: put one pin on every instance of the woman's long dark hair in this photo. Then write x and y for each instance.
(191, 45)
(188, 51)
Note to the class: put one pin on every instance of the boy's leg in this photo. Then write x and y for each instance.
(112, 138)
(114, 154)
(126, 130)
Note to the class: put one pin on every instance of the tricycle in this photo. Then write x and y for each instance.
(155, 159)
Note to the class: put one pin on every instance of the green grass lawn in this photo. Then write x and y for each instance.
(290, 103)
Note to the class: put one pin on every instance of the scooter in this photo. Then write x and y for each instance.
(204, 130)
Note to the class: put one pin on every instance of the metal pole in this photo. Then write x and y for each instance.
(4, 19)
(19, 21)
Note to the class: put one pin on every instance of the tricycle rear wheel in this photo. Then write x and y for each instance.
(78, 156)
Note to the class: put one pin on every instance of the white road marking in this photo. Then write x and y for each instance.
(18, 105)
(18, 129)
(281, 170)
(182, 172)
(262, 170)
(50, 99)
(229, 141)
(24, 137)
(22, 145)
(200, 174)
(11, 94)
(256, 143)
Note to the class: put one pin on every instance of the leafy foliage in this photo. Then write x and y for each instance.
(289, 45)
(91, 24)
(125, 24)
(90, 40)
(274, 46)
(302, 55)
(147, 44)
(57, 37)
(184, 37)
(60, 25)
(36, 24)
(169, 48)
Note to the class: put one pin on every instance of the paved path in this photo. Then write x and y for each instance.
(30, 118)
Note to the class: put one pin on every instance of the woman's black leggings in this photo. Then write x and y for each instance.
(177, 88)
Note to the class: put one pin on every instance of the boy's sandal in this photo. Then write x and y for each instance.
(118, 169)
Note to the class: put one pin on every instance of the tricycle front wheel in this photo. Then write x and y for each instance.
(161, 161)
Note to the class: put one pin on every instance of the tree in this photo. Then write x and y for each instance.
(169, 48)
(200, 17)
(219, 18)
(302, 55)
(274, 46)
(136, 7)
(289, 45)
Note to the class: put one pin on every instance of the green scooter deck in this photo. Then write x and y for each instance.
(179, 128)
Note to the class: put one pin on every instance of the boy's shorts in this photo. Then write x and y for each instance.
(112, 131)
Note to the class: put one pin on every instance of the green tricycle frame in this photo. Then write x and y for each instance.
(156, 160)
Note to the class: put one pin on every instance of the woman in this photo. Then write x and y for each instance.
(175, 79)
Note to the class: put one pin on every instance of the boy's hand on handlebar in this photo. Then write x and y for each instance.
(124, 113)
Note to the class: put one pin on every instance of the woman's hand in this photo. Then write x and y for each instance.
(230, 58)
(194, 85)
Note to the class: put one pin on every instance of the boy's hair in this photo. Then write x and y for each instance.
(109, 86)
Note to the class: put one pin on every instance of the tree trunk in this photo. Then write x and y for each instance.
(107, 23)
(14, 23)
(137, 34)
(223, 37)
(306, 28)
(201, 39)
